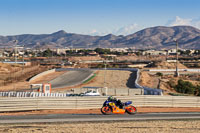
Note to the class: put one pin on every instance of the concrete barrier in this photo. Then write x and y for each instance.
(173, 70)
(114, 91)
(41, 103)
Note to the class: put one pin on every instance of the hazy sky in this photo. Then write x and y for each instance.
(94, 17)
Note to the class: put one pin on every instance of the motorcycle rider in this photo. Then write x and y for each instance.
(116, 101)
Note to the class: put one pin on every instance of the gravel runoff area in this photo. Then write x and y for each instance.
(157, 126)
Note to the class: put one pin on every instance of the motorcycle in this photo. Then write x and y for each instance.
(111, 107)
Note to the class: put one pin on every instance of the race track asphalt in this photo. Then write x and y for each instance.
(97, 118)
(70, 78)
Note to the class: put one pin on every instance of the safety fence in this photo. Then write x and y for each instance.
(42, 103)
(76, 92)
(173, 70)
(32, 94)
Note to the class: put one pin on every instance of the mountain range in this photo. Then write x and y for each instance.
(159, 37)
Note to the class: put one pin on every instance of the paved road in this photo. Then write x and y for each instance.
(96, 117)
(70, 78)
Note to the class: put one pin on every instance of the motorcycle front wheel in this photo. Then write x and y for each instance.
(106, 110)
(131, 110)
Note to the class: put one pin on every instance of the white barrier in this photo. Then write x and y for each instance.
(41, 103)
(31, 94)
(173, 70)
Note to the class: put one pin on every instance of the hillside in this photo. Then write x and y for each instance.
(159, 37)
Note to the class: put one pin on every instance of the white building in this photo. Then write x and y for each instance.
(154, 52)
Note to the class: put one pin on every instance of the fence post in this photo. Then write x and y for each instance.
(197, 105)
(76, 102)
(37, 103)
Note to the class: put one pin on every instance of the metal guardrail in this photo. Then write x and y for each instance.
(41, 103)
(31, 94)
(147, 90)
(172, 70)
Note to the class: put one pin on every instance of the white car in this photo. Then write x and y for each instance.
(91, 93)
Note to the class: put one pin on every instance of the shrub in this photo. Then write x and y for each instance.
(198, 90)
(159, 74)
(172, 83)
(185, 87)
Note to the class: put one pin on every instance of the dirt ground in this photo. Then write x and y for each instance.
(111, 78)
(25, 85)
(152, 81)
(161, 126)
(147, 80)
(84, 58)
(167, 65)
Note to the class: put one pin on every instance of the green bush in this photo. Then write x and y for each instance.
(159, 74)
(177, 94)
(185, 87)
(198, 90)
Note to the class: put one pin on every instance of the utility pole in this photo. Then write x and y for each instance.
(23, 60)
(176, 72)
(105, 78)
(15, 41)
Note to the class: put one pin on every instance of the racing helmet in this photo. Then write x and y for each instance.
(110, 98)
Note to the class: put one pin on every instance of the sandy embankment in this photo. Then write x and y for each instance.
(170, 126)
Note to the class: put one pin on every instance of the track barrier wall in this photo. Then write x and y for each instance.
(42, 103)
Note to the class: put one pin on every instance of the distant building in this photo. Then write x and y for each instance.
(154, 52)
(18, 62)
(61, 51)
(172, 52)
(93, 53)
(119, 49)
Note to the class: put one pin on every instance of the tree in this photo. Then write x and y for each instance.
(102, 51)
(198, 90)
(47, 53)
(185, 87)
(159, 74)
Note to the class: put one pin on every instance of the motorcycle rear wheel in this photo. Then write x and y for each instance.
(131, 110)
(106, 110)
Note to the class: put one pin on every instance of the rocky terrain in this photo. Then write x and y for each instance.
(159, 37)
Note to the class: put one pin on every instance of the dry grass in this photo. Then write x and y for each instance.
(167, 65)
(14, 77)
(84, 58)
(176, 126)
